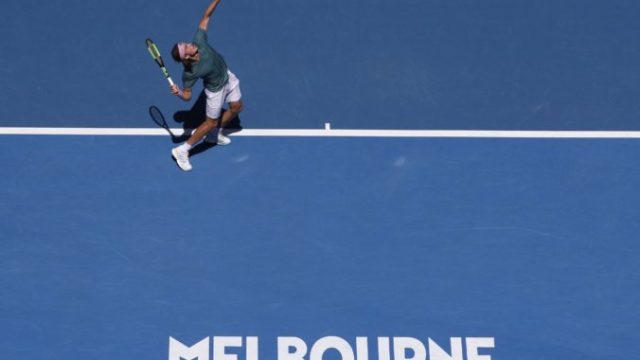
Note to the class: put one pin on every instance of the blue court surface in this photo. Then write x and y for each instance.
(323, 247)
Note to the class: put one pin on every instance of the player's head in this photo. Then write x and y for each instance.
(186, 53)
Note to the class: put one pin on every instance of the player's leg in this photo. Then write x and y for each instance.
(181, 153)
(205, 128)
(233, 96)
(215, 100)
(235, 108)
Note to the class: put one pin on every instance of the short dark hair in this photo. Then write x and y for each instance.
(175, 53)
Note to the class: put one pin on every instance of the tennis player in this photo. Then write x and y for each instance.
(221, 86)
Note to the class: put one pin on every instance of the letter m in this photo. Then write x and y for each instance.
(179, 351)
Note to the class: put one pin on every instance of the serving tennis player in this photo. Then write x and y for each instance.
(221, 86)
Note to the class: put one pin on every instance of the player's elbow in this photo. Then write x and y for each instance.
(186, 94)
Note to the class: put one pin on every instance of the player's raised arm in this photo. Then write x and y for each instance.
(204, 22)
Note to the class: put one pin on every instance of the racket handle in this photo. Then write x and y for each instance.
(170, 81)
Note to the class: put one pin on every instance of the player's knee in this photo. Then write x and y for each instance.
(236, 107)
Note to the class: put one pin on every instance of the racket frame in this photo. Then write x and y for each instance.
(155, 55)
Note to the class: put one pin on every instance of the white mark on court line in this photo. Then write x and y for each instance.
(386, 133)
(327, 126)
(241, 159)
(399, 162)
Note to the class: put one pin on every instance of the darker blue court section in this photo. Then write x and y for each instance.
(403, 64)
(106, 253)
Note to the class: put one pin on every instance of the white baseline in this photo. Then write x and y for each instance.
(328, 132)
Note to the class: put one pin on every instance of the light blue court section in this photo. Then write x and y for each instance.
(108, 249)
(402, 64)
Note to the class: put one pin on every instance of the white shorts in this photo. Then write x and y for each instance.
(230, 92)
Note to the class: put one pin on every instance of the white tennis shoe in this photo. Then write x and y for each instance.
(182, 158)
(217, 137)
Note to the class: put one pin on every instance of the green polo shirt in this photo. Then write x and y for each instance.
(211, 68)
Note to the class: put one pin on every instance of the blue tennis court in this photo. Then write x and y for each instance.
(362, 248)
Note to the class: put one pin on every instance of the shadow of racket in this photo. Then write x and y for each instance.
(158, 119)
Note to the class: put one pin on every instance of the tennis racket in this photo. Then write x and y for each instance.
(155, 54)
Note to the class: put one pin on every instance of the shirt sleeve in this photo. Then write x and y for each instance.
(188, 81)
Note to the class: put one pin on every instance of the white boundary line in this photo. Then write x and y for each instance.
(329, 132)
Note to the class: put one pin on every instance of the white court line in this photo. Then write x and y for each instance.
(329, 132)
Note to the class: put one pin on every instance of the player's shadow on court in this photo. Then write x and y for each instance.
(159, 119)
